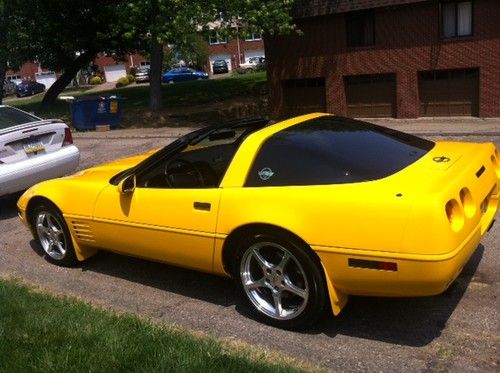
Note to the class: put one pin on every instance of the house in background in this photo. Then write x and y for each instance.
(114, 69)
(235, 50)
(388, 58)
(32, 71)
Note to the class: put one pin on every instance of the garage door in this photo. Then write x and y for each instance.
(225, 57)
(449, 92)
(254, 53)
(303, 96)
(371, 95)
(46, 78)
(114, 72)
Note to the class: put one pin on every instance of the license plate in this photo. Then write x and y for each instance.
(33, 147)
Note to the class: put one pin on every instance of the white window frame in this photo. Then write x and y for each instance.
(215, 36)
(254, 37)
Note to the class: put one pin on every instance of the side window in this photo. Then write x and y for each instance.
(199, 165)
(333, 150)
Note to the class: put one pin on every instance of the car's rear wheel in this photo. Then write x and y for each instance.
(281, 281)
(53, 235)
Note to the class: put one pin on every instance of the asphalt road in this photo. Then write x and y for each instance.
(455, 331)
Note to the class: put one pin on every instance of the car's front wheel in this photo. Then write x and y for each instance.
(53, 235)
(281, 280)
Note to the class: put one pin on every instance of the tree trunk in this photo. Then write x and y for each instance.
(69, 73)
(155, 74)
(3, 48)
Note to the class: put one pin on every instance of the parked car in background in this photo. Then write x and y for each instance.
(253, 64)
(181, 74)
(33, 149)
(220, 67)
(9, 88)
(142, 75)
(301, 213)
(29, 88)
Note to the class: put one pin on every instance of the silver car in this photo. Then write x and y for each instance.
(33, 150)
(142, 75)
(9, 88)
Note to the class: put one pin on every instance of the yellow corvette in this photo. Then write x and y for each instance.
(302, 213)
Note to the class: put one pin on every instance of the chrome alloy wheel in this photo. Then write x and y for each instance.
(274, 280)
(51, 235)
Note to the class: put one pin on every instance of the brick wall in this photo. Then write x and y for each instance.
(231, 48)
(406, 41)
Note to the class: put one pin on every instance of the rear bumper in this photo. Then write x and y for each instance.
(416, 275)
(21, 175)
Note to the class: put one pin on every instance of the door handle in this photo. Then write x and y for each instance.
(204, 206)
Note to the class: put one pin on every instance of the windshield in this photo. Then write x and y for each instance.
(10, 117)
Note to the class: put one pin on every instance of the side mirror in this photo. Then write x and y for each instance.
(127, 185)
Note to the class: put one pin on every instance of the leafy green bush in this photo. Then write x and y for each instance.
(122, 82)
(130, 78)
(95, 80)
(133, 70)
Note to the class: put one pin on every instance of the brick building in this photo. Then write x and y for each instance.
(388, 58)
(234, 50)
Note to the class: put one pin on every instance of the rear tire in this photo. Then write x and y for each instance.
(282, 283)
(53, 235)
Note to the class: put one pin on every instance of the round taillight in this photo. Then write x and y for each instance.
(467, 202)
(455, 214)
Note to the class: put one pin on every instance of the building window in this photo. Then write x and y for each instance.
(254, 36)
(456, 19)
(360, 29)
(214, 39)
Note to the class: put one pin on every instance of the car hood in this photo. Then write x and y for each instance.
(86, 184)
(103, 173)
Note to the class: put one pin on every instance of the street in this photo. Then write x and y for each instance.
(455, 331)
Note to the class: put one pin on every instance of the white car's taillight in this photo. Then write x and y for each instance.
(68, 138)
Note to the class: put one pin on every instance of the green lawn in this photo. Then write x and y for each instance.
(42, 333)
(174, 95)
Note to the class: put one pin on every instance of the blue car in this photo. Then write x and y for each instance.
(181, 74)
(29, 88)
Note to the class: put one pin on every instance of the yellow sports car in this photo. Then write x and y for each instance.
(302, 213)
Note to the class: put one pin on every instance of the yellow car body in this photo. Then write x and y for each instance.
(407, 234)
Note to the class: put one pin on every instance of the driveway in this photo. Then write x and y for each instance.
(455, 331)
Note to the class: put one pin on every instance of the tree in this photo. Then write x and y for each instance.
(62, 35)
(11, 38)
(164, 22)
(66, 35)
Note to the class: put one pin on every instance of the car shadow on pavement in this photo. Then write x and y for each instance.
(8, 207)
(402, 321)
(193, 284)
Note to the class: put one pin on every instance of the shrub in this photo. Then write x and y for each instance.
(130, 78)
(95, 80)
(133, 70)
(122, 82)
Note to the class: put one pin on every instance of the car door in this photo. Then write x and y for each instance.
(172, 225)
(170, 215)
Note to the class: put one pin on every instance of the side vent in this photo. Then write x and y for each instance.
(82, 231)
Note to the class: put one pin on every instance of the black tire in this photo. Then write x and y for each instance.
(286, 289)
(53, 235)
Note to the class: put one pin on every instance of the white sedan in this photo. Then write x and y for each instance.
(33, 150)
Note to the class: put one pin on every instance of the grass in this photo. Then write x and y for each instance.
(173, 95)
(42, 333)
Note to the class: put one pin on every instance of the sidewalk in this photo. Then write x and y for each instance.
(443, 126)
(458, 126)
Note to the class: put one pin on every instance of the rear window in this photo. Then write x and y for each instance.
(334, 150)
(10, 117)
